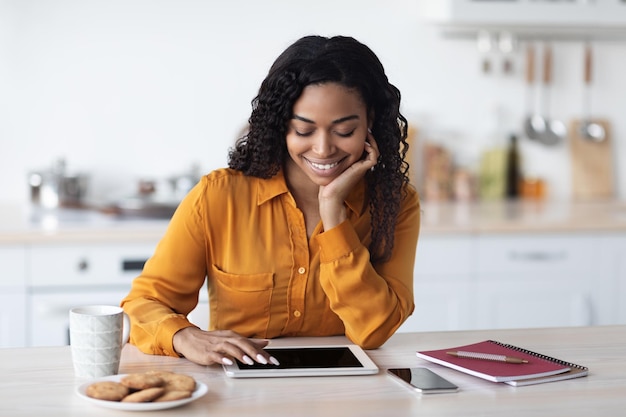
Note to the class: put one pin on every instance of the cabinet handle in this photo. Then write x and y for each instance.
(83, 265)
(133, 264)
(537, 256)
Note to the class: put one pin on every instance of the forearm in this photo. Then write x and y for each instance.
(371, 305)
(153, 325)
(168, 287)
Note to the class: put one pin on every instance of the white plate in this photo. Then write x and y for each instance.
(200, 390)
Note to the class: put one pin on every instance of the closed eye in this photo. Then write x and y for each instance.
(303, 134)
(346, 135)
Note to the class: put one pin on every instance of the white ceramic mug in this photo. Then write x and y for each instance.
(97, 335)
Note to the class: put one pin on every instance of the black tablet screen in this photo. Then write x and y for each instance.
(312, 357)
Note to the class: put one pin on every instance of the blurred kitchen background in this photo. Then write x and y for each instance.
(146, 90)
(111, 108)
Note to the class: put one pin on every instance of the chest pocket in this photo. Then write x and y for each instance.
(241, 302)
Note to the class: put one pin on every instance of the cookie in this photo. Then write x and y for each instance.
(144, 396)
(107, 390)
(176, 382)
(141, 381)
(173, 395)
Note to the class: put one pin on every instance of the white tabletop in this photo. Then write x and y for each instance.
(40, 381)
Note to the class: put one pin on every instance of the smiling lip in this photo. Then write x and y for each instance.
(324, 169)
(324, 166)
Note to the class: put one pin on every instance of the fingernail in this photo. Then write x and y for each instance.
(247, 360)
(369, 130)
(368, 144)
(274, 361)
(227, 361)
(261, 359)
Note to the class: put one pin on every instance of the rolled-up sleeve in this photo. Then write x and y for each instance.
(372, 300)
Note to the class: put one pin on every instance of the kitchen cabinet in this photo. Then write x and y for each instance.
(620, 282)
(461, 281)
(613, 255)
(66, 275)
(13, 261)
(442, 284)
(12, 317)
(87, 264)
(541, 281)
(200, 316)
(515, 280)
(12, 297)
(531, 15)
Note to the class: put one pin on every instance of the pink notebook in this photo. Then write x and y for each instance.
(538, 365)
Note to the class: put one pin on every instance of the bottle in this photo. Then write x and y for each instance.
(493, 158)
(513, 172)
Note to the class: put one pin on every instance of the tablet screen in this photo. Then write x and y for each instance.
(308, 361)
(307, 358)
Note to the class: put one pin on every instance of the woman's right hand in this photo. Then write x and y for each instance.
(220, 346)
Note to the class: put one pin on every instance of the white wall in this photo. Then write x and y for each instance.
(144, 88)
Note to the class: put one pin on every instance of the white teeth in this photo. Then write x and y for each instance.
(324, 166)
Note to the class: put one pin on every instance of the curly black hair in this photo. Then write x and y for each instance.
(316, 60)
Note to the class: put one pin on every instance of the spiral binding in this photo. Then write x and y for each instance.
(539, 355)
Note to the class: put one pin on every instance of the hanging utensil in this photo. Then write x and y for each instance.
(484, 44)
(555, 130)
(534, 125)
(589, 129)
(507, 43)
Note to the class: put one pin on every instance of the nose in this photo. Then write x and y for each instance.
(323, 145)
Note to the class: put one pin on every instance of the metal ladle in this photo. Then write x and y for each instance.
(589, 129)
(555, 130)
(534, 124)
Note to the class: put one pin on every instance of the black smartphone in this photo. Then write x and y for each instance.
(423, 380)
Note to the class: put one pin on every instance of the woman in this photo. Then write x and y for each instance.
(312, 229)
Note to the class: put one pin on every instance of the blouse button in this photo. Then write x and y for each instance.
(301, 270)
(297, 313)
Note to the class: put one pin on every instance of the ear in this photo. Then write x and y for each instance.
(370, 119)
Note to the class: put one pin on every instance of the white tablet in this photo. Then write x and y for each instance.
(308, 361)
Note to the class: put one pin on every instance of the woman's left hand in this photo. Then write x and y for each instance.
(332, 196)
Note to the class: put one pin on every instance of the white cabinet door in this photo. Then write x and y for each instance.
(200, 316)
(12, 296)
(541, 281)
(13, 266)
(614, 257)
(12, 318)
(87, 264)
(440, 307)
(620, 281)
(442, 284)
(62, 276)
(49, 313)
(545, 304)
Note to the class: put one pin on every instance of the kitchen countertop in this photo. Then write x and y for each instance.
(40, 381)
(26, 224)
(523, 217)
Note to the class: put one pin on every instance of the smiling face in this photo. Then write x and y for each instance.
(326, 134)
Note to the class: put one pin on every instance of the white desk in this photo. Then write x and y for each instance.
(40, 381)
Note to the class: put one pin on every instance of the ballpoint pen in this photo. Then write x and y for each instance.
(487, 356)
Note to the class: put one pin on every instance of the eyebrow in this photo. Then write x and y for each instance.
(337, 121)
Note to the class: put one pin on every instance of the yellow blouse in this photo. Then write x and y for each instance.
(264, 276)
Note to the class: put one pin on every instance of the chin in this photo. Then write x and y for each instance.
(321, 179)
